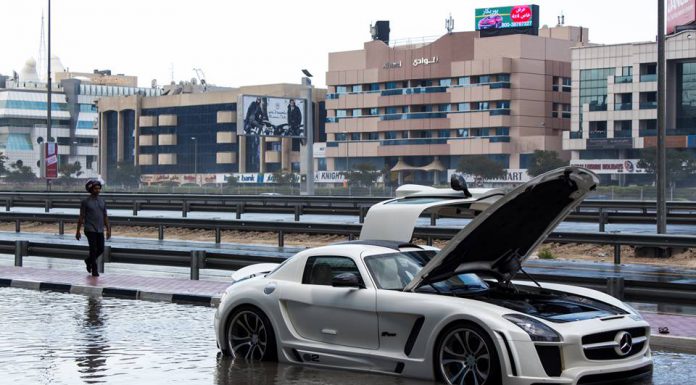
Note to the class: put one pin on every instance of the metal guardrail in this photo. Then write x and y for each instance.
(349, 230)
(600, 212)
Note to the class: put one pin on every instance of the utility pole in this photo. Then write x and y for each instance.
(309, 131)
(661, 170)
(48, 95)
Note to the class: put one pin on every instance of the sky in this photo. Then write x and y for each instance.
(237, 43)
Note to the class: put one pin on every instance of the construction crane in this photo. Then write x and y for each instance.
(201, 78)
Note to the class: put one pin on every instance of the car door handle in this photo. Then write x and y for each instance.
(329, 331)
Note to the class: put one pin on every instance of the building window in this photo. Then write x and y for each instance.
(357, 112)
(390, 85)
(464, 81)
(357, 88)
(374, 86)
(463, 132)
(341, 89)
(391, 110)
(686, 96)
(341, 113)
(372, 136)
(445, 82)
(341, 137)
(444, 107)
(355, 136)
(321, 164)
(390, 135)
(443, 133)
(484, 79)
(505, 104)
(374, 111)
(404, 134)
(464, 107)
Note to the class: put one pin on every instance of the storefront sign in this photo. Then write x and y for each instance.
(610, 143)
(609, 166)
(512, 175)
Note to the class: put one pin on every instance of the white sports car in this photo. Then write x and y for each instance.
(384, 305)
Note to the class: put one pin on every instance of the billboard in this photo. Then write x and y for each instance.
(680, 12)
(513, 19)
(271, 116)
(609, 166)
(49, 155)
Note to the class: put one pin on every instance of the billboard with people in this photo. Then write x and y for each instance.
(271, 116)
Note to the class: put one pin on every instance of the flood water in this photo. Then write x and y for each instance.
(54, 338)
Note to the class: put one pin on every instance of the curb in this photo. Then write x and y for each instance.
(113, 292)
(682, 344)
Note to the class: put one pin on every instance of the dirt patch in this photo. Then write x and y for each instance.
(585, 252)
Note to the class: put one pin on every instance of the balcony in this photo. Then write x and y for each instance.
(623, 79)
(414, 90)
(499, 112)
(648, 105)
(622, 134)
(575, 135)
(623, 106)
(499, 85)
(598, 134)
(598, 107)
(648, 78)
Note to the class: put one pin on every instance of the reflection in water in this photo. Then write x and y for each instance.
(52, 338)
(92, 360)
(241, 372)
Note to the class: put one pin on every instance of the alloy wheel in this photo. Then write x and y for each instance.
(465, 358)
(247, 336)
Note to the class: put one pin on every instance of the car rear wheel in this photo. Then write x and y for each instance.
(250, 335)
(466, 355)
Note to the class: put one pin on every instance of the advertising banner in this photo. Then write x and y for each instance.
(49, 166)
(512, 175)
(516, 16)
(271, 116)
(679, 12)
(609, 166)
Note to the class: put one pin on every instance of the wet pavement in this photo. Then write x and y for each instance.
(52, 338)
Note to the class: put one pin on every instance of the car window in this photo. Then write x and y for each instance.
(322, 270)
(394, 271)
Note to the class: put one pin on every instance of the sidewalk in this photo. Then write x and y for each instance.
(682, 328)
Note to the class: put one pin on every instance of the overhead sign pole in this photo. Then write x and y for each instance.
(661, 172)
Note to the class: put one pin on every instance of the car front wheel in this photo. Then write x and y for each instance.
(250, 335)
(466, 355)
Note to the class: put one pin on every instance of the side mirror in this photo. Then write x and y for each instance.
(347, 280)
(458, 183)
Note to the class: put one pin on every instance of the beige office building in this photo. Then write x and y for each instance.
(190, 136)
(421, 109)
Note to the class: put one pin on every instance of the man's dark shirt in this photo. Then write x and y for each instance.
(95, 211)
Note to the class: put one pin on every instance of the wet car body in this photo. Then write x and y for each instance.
(456, 315)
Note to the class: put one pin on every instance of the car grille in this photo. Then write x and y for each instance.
(604, 346)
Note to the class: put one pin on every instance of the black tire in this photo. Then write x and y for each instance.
(463, 351)
(249, 335)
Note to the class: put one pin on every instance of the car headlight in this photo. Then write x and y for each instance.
(537, 330)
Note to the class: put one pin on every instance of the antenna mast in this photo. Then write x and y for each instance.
(41, 58)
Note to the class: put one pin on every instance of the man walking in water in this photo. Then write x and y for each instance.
(93, 216)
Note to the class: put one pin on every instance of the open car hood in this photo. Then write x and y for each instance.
(395, 219)
(498, 240)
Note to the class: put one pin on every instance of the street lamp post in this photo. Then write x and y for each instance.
(309, 130)
(195, 158)
(661, 169)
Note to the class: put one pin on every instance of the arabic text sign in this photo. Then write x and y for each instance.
(516, 16)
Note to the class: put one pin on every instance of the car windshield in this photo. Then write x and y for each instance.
(395, 270)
